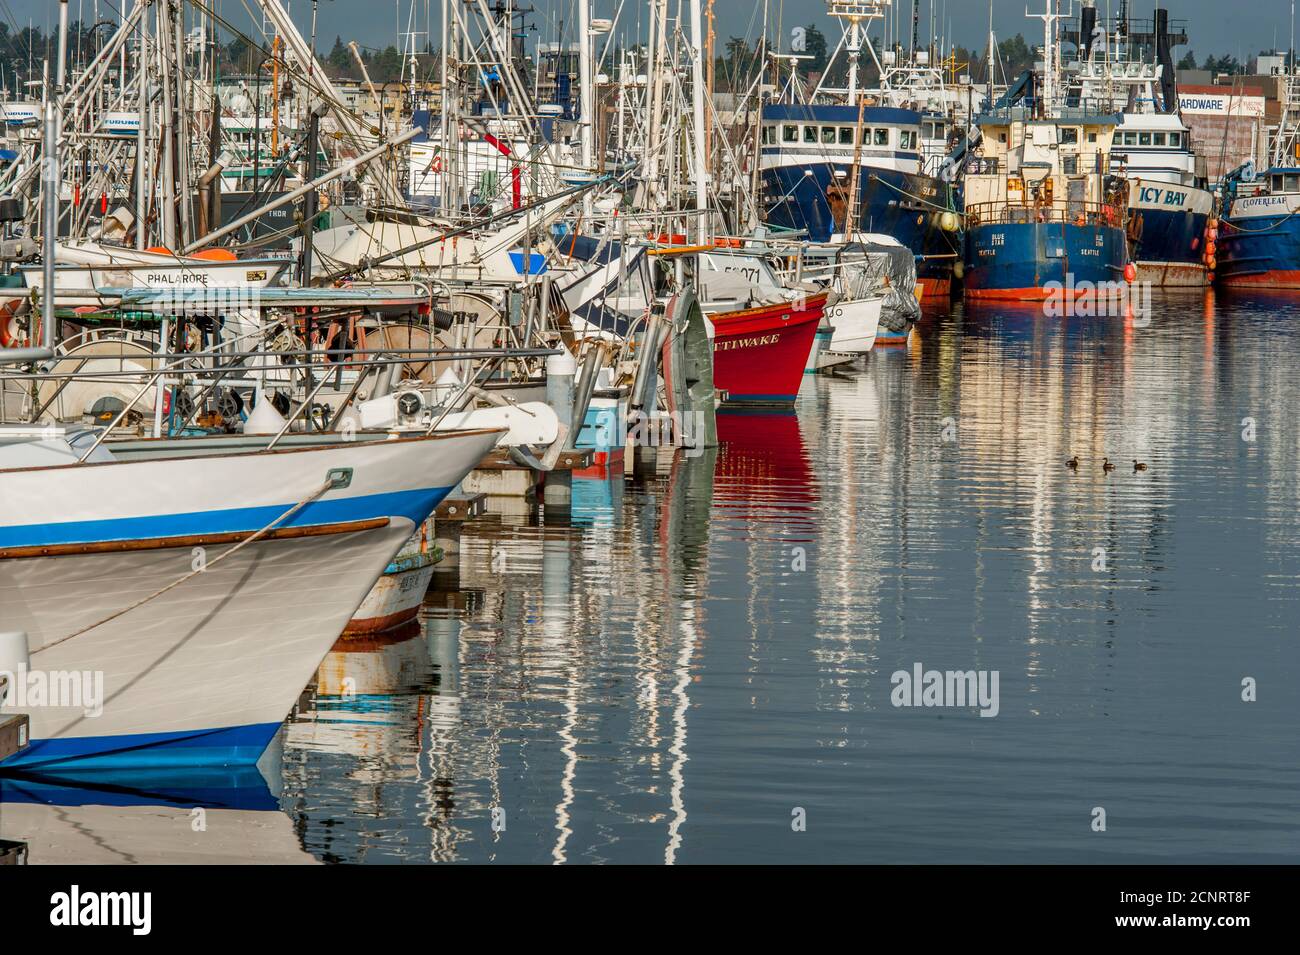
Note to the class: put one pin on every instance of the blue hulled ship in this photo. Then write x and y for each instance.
(1044, 217)
(1259, 243)
(808, 157)
(1169, 205)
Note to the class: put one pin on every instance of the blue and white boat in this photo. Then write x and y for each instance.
(1259, 239)
(1169, 203)
(202, 673)
(854, 159)
(807, 157)
(1259, 242)
(1169, 208)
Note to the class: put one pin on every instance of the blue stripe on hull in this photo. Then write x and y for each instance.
(1020, 256)
(221, 746)
(793, 199)
(1263, 245)
(415, 505)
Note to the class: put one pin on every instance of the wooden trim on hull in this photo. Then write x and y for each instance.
(189, 540)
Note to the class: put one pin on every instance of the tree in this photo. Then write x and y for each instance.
(1015, 55)
(1188, 62)
(815, 46)
(339, 57)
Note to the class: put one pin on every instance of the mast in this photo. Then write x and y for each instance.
(697, 101)
(1049, 17)
(586, 96)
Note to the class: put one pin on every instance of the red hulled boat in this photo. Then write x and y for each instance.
(759, 354)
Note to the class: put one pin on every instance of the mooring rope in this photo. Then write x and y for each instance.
(316, 495)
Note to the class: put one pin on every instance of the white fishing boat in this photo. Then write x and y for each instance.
(89, 273)
(144, 567)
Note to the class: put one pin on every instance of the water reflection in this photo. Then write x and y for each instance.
(669, 672)
(212, 817)
(690, 653)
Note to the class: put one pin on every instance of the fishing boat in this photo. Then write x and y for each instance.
(808, 157)
(395, 598)
(1044, 214)
(1259, 243)
(1169, 205)
(866, 159)
(1042, 211)
(759, 352)
(201, 580)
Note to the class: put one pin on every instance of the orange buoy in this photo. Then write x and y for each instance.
(1130, 272)
(216, 255)
(159, 250)
(10, 333)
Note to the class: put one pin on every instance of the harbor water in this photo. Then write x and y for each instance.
(695, 663)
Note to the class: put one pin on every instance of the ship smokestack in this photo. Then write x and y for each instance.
(1164, 56)
(1087, 24)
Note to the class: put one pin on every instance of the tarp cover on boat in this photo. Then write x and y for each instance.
(868, 263)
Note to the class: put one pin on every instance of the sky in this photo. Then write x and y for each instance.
(1215, 26)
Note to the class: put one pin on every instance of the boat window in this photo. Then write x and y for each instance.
(1292, 183)
(846, 135)
(1144, 139)
(881, 137)
(1157, 139)
(1092, 137)
(828, 135)
(1069, 136)
(866, 136)
(1276, 183)
(1175, 139)
(790, 134)
(768, 135)
(810, 134)
(907, 139)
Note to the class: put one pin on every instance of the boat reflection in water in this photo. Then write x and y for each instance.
(492, 735)
(154, 817)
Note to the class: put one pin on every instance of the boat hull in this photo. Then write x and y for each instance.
(204, 673)
(759, 354)
(1168, 223)
(856, 324)
(1020, 261)
(396, 597)
(1259, 252)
